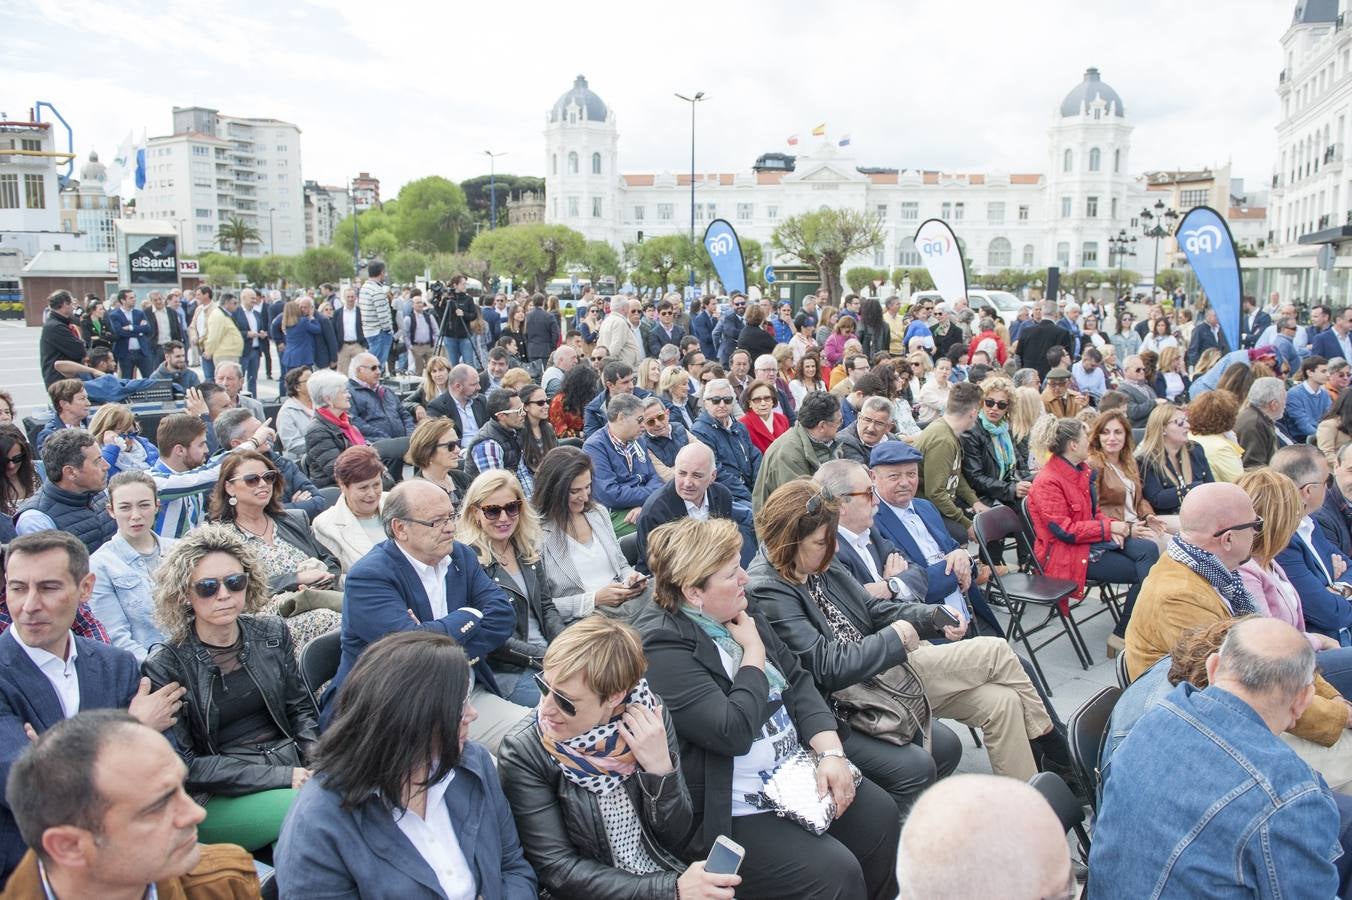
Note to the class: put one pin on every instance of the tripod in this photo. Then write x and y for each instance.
(439, 344)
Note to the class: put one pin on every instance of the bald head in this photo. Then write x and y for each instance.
(1005, 822)
(695, 454)
(1218, 507)
(1270, 666)
(693, 471)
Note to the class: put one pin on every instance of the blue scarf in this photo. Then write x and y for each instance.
(1004, 444)
(728, 644)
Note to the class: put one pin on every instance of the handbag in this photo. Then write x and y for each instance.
(791, 792)
(891, 706)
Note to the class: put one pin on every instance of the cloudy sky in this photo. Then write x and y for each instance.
(407, 88)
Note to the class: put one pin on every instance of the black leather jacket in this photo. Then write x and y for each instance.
(519, 653)
(270, 659)
(982, 470)
(564, 836)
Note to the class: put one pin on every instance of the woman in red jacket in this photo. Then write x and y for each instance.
(1073, 539)
(761, 420)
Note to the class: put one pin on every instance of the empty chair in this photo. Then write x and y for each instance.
(1085, 732)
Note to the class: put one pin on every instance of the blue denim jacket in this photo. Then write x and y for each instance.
(1202, 800)
(123, 595)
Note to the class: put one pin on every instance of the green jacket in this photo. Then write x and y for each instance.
(792, 455)
(941, 479)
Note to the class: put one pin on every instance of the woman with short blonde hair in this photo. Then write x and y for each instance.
(434, 450)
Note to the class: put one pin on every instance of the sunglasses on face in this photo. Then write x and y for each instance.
(566, 706)
(1256, 525)
(493, 513)
(253, 478)
(207, 588)
(448, 445)
(537, 402)
(18, 459)
(720, 401)
(763, 398)
(996, 404)
(656, 420)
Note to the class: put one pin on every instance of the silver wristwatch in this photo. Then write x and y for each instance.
(896, 586)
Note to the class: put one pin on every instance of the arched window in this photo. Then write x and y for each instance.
(1094, 159)
(1117, 161)
(596, 164)
(553, 164)
(907, 255)
(998, 253)
(572, 162)
(1068, 161)
(1027, 254)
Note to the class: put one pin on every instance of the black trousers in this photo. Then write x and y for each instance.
(856, 859)
(1129, 565)
(905, 772)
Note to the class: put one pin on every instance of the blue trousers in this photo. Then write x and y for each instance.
(378, 345)
(460, 350)
(249, 363)
(1128, 565)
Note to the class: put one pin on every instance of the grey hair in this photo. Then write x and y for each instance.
(877, 404)
(1049, 308)
(1299, 462)
(221, 367)
(708, 388)
(1285, 322)
(230, 425)
(653, 399)
(1267, 390)
(668, 354)
(622, 405)
(1342, 452)
(620, 307)
(766, 359)
(1027, 378)
(1284, 676)
(324, 385)
(358, 361)
(835, 476)
(987, 323)
(1337, 364)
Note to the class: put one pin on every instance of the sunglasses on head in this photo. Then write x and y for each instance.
(996, 404)
(253, 478)
(566, 706)
(206, 588)
(494, 513)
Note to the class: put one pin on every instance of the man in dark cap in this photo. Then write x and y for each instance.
(1058, 399)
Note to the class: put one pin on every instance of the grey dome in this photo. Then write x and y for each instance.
(593, 108)
(1088, 91)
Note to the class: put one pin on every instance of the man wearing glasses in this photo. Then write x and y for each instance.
(376, 410)
(737, 458)
(661, 437)
(498, 444)
(1141, 399)
(1316, 568)
(422, 578)
(729, 329)
(665, 330)
(624, 475)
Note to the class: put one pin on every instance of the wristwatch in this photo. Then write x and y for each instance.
(829, 753)
(896, 586)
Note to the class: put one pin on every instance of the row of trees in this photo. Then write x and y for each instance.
(859, 278)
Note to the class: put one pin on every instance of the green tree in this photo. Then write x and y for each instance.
(235, 232)
(657, 258)
(599, 260)
(219, 272)
(530, 254)
(826, 238)
(318, 265)
(276, 268)
(367, 223)
(1168, 280)
(920, 278)
(859, 278)
(408, 265)
(478, 194)
(432, 213)
(379, 243)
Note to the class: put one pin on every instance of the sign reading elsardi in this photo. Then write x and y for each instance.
(152, 260)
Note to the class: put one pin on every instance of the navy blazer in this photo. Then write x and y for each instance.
(666, 506)
(1248, 338)
(1335, 519)
(702, 327)
(343, 338)
(1325, 344)
(125, 330)
(326, 850)
(381, 590)
(108, 679)
(1325, 612)
(880, 548)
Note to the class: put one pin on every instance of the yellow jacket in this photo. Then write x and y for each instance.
(1225, 457)
(223, 338)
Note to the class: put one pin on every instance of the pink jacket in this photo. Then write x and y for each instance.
(1272, 593)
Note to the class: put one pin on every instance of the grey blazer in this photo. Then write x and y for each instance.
(565, 584)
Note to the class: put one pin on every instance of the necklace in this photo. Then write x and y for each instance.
(261, 535)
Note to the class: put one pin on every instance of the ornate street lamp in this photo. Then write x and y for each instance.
(1121, 246)
(1157, 222)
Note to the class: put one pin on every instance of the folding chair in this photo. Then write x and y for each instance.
(319, 660)
(1085, 733)
(1123, 679)
(1062, 801)
(1018, 590)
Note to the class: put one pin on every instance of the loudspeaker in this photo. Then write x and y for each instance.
(1053, 283)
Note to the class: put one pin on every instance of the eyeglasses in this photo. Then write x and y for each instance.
(537, 402)
(719, 401)
(447, 445)
(656, 420)
(867, 493)
(566, 706)
(766, 398)
(601, 358)
(1181, 423)
(253, 478)
(996, 404)
(207, 588)
(18, 459)
(1256, 525)
(436, 524)
(493, 513)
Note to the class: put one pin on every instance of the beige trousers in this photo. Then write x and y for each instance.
(420, 354)
(980, 683)
(496, 718)
(1334, 763)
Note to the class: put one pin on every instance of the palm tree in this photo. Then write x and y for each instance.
(235, 233)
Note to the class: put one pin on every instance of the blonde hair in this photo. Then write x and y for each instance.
(644, 378)
(926, 364)
(1042, 434)
(111, 417)
(998, 384)
(515, 379)
(290, 314)
(422, 443)
(429, 387)
(525, 539)
(1025, 409)
(1277, 502)
(607, 652)
(671, 377)
(1152, 450)
(1209, 358)
(173, 579)
(686, 553)
(1168, 356)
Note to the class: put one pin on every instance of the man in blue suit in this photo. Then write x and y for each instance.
(1206, 335)
(132, 346)
(421, 578)
(916, 528)
(702, 326)
(624, 476)
(860, 546)
(1312, 564)
(1336, 340)
(1256, 321)
(47, 674)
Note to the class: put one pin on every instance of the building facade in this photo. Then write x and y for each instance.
(365, 192)
(30, 206)
(322, 213)
(86, 209)
(1063, 216)
(215, 168)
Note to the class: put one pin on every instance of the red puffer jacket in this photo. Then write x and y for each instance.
(1066, 519)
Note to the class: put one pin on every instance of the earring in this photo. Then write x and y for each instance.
(233, 501)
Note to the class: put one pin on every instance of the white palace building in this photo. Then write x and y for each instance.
(1063, 216)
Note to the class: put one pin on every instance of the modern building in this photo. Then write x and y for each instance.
(365, 192)
(1063, 216)
(215, 168)
(87, 210)
(322, 213)
(30, 208)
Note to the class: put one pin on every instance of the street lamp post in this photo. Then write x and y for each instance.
(356, 240)
(492, 188)
(692, 101)
(1121, 246)
(1157, 222)
(272, 230)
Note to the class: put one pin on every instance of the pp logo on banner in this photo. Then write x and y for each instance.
(725, 252)
(936, 246)
(721, 245)
(1204, 239)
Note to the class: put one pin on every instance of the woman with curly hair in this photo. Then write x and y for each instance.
(1211, 419)
(896, 379)
(566, 410)
(248, 723)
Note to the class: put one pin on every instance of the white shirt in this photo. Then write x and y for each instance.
(251, 316)
(350, 325)
(861, 545)
(700, 512)
(434, 839)
(433, 580)
(60, 672)
(592, 564)
(1306, 532)
(469, 425)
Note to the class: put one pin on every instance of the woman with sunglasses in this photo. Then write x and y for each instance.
(352, 526)
(504, 531)
(744, 707)
(125, 567)
(763, 422)
(537, 435)
(994, 462)
(434, 450)
(249, 723)
(1073, 539)
(682, 406)
(419, 817)
(115, 427)
(566, 410)
(594, 776)
(1170, 464)
(21, 480)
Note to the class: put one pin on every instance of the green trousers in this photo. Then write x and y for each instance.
(621, 526)
(253, 821)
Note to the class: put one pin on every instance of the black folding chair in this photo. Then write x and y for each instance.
(629, 547)
(1123, 679)
(1062, 800)
(1018, 590)
(319, 660)
(1086, 731)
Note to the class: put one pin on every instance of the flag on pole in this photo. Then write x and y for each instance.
(819, 130)
(122, 166)
(793, 140)
(844, 141)
(141, 162)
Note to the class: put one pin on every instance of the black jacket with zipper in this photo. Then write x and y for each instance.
(982, 469)
(519, 653)
(269, 658)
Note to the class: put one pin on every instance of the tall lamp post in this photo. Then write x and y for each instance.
(356, 239)
(1121, 246)
(1157, 222)
(692, 101)
(492, 188)
(272, 230)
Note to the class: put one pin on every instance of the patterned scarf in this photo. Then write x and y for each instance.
(1230, 585)
(630, 450)
(1004, 444)
(599, 760)
(728, 644)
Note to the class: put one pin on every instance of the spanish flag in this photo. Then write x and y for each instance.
(819, 130)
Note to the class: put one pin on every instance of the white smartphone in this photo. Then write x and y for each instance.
(726, 856)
